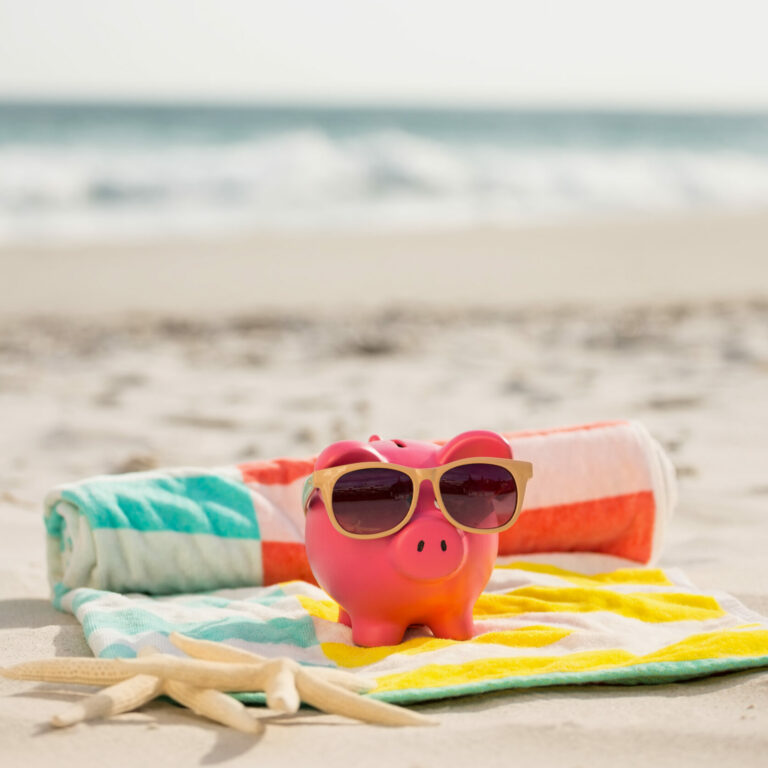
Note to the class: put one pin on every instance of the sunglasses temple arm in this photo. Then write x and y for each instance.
(309, 486)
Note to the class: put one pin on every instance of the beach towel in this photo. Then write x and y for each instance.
(230, 540)
(576, 618)
(606, 488)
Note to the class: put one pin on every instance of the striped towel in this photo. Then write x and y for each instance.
(604, 488)
(576, 619)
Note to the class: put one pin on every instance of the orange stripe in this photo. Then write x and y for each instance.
(276, 471)
(553, 430)
(616, 525)
(560, 430)
(285, 561)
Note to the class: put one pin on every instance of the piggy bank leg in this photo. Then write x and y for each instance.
(373, 632)
(453, 627)
(344, 617)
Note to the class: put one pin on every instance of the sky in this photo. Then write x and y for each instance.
(604, 53)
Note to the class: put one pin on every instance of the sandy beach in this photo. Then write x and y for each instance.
(717, 256)
(122, 357)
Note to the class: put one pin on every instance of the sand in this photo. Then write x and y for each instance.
(633, 260)
(118, 358)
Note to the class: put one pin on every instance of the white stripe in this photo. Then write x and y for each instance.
(278, 510)
(124, 559)
(600, 631)
(570, 467)
(101, 639)
(664, 483)
(178, 610)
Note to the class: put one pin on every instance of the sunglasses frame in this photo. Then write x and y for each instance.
(324, 480)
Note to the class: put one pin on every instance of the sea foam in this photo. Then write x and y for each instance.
(99, 187)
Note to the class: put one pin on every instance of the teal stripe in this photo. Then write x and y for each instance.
(118, 651)
(223, 602)
(299, 632)
(59, 591)
(638, 674)
(82, 595)
(641, 674)
(53, 521)
(212, 504)
(85, 595)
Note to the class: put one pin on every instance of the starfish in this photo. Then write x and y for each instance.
(199, 681)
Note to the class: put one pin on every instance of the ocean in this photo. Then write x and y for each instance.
(79, 172)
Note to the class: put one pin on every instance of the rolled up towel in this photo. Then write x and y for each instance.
(604, 487)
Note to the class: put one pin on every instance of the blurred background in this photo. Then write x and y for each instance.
(73, 170)
(236, 230)
(185, 119)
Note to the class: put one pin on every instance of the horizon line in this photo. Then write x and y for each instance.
(404, 102)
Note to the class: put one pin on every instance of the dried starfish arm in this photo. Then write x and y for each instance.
(210, 650)
(198, 683)
(122, 697)
(330, 698)
(280, 685)
(199, 673)
(83, 671)
(214, 705)
(213, 651)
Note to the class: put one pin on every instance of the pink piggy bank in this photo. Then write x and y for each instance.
(401, 532)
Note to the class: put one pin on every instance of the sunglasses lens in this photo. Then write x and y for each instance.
(479, 496)
(368, 501)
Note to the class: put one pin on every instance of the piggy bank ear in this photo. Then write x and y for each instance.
(477, 442)
(347, 452)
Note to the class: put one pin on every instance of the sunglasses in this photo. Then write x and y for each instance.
(370, 500)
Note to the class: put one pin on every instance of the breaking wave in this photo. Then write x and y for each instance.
(311, 178)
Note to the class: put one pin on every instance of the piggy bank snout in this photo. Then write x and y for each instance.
(429, 549)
